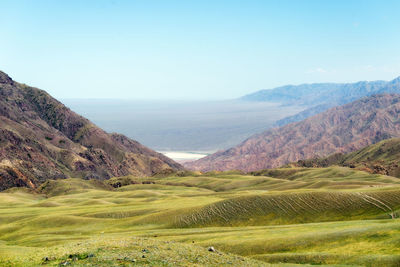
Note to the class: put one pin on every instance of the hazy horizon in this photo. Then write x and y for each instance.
(179, 126)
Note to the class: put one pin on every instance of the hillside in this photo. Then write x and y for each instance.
(42, 139)
(382, 158)
(338, 130)
(320, 97)
(333, 216)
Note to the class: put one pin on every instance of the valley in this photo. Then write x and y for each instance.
(185, 156)
(200, 133)
(74, 194)
(183, 126)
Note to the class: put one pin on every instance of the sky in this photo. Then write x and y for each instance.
(197, 50)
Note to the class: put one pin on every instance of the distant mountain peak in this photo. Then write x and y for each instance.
(5, 79)
(396, 80)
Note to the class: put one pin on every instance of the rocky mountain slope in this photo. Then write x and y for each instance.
(340, 129)
(381, 158)
(41, 139)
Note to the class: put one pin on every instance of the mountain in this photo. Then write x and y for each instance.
(340, 129)
(381, 158)
(42, 139)
(319, 97)
(319, 93)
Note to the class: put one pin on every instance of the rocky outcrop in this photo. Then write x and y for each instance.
(5, 79)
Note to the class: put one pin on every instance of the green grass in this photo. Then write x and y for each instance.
(331, 178)
(382, 157)
(107, 250)
(294, 208)
(333, 216)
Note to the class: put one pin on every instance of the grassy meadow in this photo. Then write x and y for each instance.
(332, 216)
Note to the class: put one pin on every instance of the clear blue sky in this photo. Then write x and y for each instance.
(195, 49)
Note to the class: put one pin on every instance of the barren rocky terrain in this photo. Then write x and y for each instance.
(42, 139)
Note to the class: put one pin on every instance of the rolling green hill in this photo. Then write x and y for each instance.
(282, 217)
(382, 158)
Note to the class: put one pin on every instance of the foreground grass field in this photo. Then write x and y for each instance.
(286, 217)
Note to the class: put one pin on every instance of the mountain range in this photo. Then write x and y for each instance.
(42, 139)
(319, 93)
(319, 97)
(340, 129)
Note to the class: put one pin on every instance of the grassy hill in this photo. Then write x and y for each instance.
(329, 216)
(382, 158)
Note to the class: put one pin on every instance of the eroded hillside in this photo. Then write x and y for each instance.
(41, 139)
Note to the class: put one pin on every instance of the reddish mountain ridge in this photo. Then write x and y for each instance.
(42, 139)
(338, 130)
